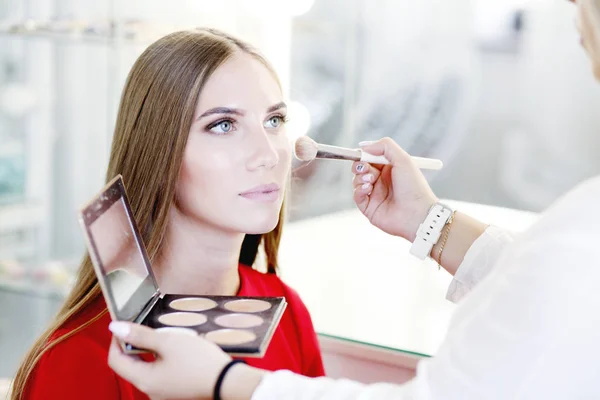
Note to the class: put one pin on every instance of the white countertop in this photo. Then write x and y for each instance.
(362, 285)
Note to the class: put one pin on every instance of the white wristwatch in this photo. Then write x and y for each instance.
(430, 230)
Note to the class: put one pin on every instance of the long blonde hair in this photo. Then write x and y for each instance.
(154, 118)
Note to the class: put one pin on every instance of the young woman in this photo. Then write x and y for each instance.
(200, 141)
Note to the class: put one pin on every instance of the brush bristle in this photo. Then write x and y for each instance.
(305, 148)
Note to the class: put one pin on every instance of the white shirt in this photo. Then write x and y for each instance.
(530, 329)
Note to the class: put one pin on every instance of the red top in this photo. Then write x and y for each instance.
(77, 367)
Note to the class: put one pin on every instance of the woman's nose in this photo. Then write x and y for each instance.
(263, 153)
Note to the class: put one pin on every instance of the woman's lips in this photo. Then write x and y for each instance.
(263, 193)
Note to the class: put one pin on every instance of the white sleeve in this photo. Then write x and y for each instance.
(529, 330)
(287, 385)
(478, 262)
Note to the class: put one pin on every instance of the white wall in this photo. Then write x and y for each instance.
(534, 133)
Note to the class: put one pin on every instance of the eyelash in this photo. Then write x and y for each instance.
(209, 127)
(284, 118)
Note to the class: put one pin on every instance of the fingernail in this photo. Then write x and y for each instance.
(360, 167)
(367, 178)
(365, 143)
(119, 329)
(366, 185)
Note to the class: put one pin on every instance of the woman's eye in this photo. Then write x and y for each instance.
(222, 127)
(274, 122)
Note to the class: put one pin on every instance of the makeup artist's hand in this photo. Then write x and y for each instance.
(185, 367)
(396, 197)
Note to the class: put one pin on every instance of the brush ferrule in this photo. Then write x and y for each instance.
(337, 153)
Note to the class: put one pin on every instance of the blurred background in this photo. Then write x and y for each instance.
(500, 90)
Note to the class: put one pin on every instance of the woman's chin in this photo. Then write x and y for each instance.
(262, 227)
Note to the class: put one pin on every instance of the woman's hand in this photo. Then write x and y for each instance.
(186, 366)
(396, 197)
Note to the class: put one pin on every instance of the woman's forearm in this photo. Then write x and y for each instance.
(463, 231)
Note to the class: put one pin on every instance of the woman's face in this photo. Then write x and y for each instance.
(237, 158)
(588, 24)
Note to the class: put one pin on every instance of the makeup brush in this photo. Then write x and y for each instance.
(307, 150)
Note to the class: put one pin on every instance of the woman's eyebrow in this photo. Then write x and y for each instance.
(276, 107)
(221, 110)
(237, 111)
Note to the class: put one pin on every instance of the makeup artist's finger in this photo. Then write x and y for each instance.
(361, 198)
(371, 178)
(361, 194)
(137, 335)
(361, 167)
(130, 368)
(389, 149)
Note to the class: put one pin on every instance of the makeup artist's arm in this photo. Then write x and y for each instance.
(512, 339)
(396, 198)
(186, 366)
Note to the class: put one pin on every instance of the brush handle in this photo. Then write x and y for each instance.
(371, 159)
(422, 163)
(428, 163)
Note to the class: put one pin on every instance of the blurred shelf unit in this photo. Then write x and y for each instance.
(89, 31)
(19, 230)
(20, 215)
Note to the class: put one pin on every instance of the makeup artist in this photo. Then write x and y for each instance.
(527, 326)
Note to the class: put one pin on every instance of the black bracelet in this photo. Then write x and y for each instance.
(217, 392)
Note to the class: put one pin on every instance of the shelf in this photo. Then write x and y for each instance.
(104, 32)
(30, 287)
(20, 252)
(19, 216)
(73, 37)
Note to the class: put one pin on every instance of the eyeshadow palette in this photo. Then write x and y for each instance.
(241, 326)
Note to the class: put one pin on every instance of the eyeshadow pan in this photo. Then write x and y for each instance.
(193, 304)
(176, 329)
(247, 305)
(182, 319)
(230, 336)
(239, 321)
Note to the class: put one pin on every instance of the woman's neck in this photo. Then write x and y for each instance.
(197, 258)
